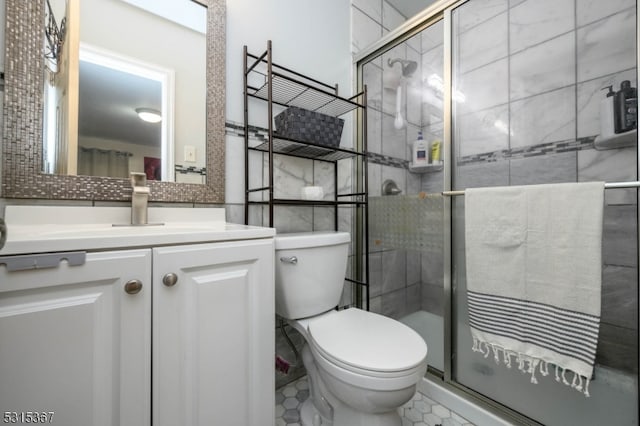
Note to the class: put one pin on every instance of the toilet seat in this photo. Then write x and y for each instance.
(368, 344)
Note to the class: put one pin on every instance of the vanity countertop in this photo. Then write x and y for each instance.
(42, 229)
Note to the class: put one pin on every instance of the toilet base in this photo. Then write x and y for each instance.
(324, 408)
(345, 415)
(309, 415)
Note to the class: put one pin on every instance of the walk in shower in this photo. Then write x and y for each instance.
(503, 93)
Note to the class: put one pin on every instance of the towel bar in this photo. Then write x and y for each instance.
(610, 185)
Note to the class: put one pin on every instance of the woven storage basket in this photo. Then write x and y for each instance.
(309, 126)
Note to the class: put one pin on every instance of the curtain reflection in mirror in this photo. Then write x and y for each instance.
(103, 162)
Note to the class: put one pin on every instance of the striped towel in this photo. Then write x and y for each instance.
(533, 259)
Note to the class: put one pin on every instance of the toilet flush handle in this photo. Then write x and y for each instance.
(291, 259)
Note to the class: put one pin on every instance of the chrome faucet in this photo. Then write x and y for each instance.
(139, 198)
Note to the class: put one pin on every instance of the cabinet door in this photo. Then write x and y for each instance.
(74, 344)
(213, 335)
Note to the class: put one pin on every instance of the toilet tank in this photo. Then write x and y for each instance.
(310, 272)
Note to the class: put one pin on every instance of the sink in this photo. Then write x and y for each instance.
(116, 230)
(40, 229)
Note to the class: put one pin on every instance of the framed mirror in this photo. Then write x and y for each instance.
(24, 158)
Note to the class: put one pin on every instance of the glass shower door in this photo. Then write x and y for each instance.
(526, 80)
(406, 99)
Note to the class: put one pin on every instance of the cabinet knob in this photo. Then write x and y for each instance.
(133, 286)
(170, 279)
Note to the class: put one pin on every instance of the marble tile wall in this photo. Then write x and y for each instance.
(531, 71)
(290, 175)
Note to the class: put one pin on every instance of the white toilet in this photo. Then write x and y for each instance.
(361, 366)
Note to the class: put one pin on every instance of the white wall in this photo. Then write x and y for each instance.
(309, 36)
(2, 26)
(312, 37)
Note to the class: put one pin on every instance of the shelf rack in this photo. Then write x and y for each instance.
(284, 87)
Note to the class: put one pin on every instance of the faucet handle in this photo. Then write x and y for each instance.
(138, 179)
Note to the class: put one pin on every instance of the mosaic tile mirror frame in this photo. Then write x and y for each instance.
(23, 103)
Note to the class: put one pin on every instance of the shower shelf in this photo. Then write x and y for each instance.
(425, 168)
(619, 140)
(280, 87)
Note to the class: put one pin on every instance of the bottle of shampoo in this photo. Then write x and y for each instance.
(435, 152)
(626, 101)
(607, 114)
(419, 151)
(632, 112)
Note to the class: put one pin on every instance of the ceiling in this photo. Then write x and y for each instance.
(107, 103)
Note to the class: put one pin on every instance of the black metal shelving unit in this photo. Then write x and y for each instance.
(277, 85)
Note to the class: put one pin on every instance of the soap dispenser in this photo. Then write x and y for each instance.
(607, 113)
(626, 105)
(419, 151)
(631, 110)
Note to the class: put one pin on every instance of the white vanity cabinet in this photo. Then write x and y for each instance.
(74, 345)
(195, 345)
(213, 334)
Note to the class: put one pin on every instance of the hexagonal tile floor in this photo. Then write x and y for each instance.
(420, 411)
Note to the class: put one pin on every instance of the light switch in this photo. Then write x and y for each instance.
(190, 153)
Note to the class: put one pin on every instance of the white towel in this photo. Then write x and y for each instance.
(533, 258)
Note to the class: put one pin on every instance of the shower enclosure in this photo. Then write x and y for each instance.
(504, 93)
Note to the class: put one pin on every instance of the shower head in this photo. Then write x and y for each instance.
(408, 66)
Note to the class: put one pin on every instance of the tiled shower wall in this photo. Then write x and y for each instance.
(527, 78)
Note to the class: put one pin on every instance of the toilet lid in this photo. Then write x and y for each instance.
(368, 341)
